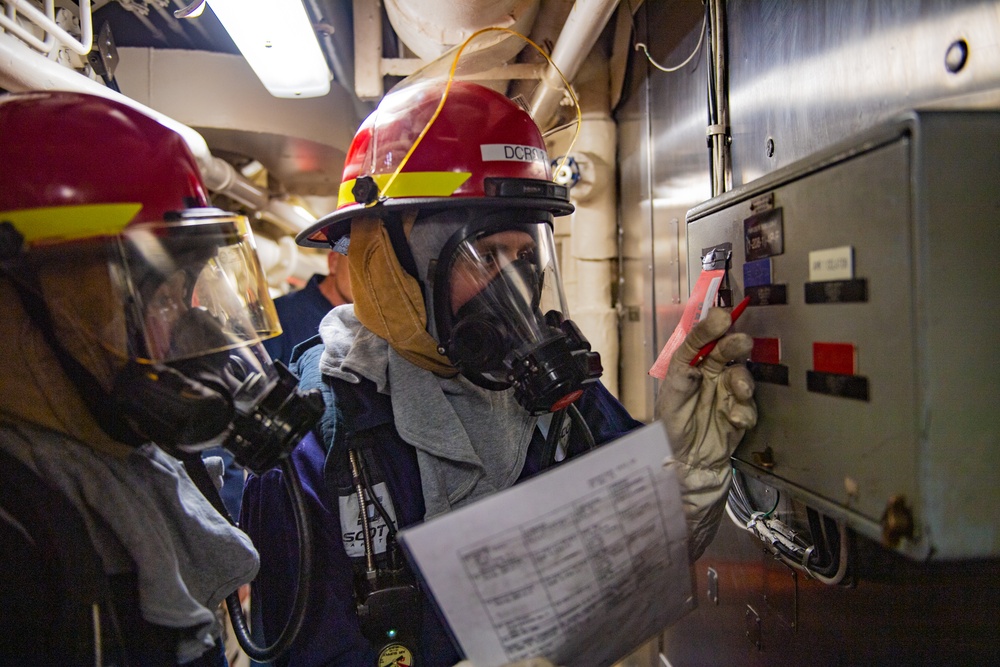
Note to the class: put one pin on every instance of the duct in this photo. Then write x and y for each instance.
(431, 27)
(579, 34)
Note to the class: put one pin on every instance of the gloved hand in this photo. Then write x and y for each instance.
(706, 410)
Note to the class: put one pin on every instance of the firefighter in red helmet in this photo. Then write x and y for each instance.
(456, 373)
(133, 315)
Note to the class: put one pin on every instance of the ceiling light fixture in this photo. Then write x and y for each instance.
(277, 39)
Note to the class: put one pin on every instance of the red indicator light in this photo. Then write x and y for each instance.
(835, 358)
(766, 351)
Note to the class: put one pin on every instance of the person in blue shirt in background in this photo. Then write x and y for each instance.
(301, 311)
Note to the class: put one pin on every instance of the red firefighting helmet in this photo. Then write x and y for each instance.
(477, 148)
(90, 166)
(90, 178)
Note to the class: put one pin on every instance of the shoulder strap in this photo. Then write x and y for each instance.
(360, 407)
(300, 348)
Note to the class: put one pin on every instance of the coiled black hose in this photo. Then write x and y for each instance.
(298, 614)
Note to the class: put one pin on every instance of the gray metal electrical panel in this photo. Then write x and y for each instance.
(873, 275)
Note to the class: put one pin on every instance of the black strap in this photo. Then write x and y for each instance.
(394, 226)
(559, 429)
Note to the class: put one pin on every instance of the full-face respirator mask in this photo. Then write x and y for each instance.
(500, 314)
(202, 306)
(186, 308)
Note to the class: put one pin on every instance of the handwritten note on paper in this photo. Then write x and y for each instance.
(581, 564)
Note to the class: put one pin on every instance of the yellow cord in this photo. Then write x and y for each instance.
(447, 89)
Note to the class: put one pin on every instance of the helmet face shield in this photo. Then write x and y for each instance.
(197, 288)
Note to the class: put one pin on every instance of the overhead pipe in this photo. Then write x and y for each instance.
(80, 46)
(579, 34)
(431, 27)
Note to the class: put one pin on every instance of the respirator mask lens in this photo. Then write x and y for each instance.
(200, 311)
(500, 313)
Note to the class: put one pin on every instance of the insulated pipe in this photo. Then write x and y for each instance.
(431, 27)
(595, 222)
(579, 34)
(220, 176)
(277, 259)
(593, 235)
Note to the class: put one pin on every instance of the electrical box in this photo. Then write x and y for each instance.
(874, 295)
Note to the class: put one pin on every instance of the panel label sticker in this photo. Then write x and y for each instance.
(834, 384)
(767, 295)
(766, 350)
(764, 235)
(757, 273)
(837, 291)
(831, 264)
(769, 373)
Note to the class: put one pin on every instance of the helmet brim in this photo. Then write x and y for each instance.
(328, 230)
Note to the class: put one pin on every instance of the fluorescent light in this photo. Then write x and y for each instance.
(278, 41)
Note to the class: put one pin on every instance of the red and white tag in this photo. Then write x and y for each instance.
(702, 298)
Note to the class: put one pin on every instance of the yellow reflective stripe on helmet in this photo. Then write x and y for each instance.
(410, 184)
(70, 223)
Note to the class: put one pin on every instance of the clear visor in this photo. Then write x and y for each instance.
(197, 288)
(488, 57)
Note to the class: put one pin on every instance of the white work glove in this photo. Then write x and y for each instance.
(706, 410)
